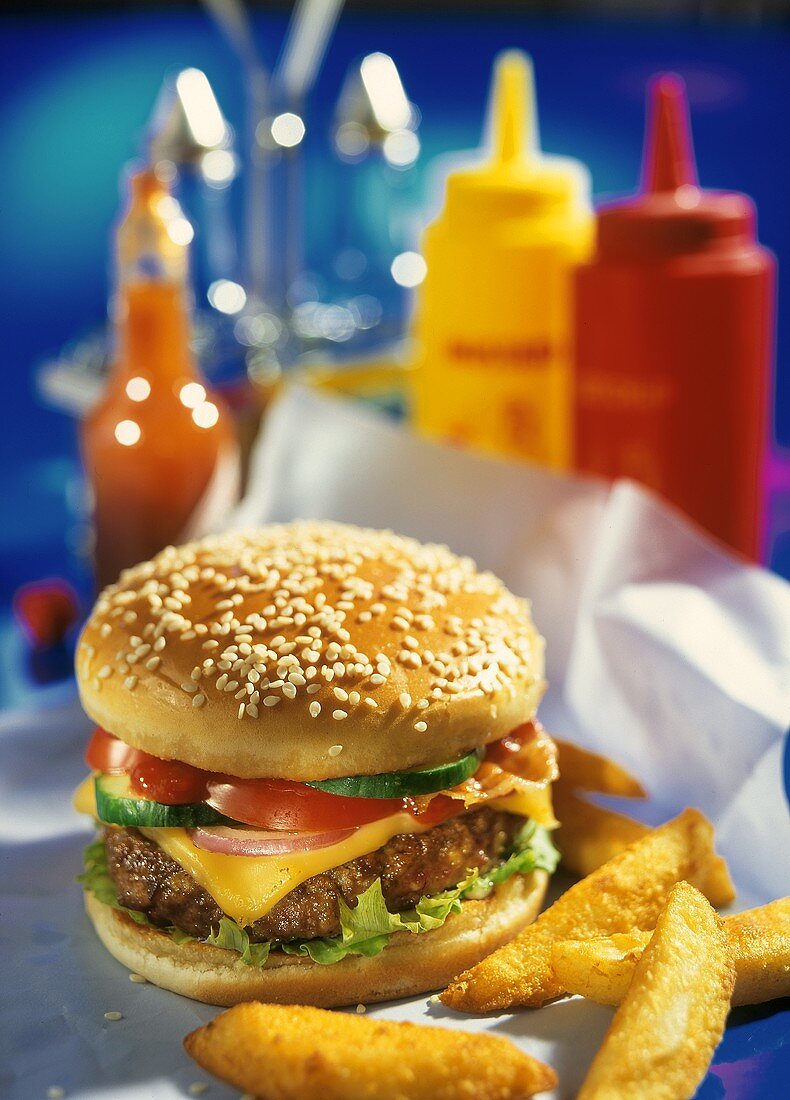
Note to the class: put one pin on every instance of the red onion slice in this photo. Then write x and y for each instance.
(262, 842)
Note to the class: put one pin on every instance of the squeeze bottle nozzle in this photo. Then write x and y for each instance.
(669, 155)
(511, 112)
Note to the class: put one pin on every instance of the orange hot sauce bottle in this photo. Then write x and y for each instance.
(159, 449)
(674, 339)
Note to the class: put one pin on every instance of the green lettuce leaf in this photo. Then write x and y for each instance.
(232, 937)
(365, 928)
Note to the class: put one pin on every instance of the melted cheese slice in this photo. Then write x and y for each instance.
(247, 887)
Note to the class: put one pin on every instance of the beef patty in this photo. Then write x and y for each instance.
(409, 866)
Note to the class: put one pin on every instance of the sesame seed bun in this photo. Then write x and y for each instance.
(309, 651)
(409, 964)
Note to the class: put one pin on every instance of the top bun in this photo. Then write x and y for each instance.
(309, 651)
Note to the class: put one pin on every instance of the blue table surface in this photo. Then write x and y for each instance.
(75, 93)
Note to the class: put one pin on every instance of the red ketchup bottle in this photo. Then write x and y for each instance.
(674, 338)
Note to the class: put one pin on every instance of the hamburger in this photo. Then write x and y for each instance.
(316, 769)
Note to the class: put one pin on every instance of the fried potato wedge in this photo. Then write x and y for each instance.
(663, 1035)
(295, 1053)
(582, 770)
(626, 893)
(759, 942)
(758, 939)
(600, 969)
(590, 835)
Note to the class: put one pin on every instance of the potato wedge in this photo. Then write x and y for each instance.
(590, 835)
(758, 939)
(582, 770)
(663, 1035)
(625, 893)
(600, 969)
(295, 1053)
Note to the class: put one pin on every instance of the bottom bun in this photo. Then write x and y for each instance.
(408, 965)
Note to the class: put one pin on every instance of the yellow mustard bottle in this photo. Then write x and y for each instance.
(493, 317)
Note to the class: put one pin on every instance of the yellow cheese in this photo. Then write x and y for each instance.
(247, 887)
(84, 798)
(535, 803)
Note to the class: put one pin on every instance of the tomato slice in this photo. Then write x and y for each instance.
(106, 753)
(168, 781)
(434, 809)
(282, 804)
(505, 751)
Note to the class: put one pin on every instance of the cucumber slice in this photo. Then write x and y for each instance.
(401, 784)
(117, 804)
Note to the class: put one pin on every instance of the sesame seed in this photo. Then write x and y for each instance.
(130, 682)
(241, 710)
(315, 708)
(335, 750)
(271, 700)
(289, 691)
(197, 1088)
(252, 710)
(377, 679)
(313, 688)
(113, 1016)
(339, 715)
(198, 700)
(421, 727)
(231, 685)
(370, 702)
(159, 645)
(405, 700)
(341, 694)
(361, 1009)
(138, 979)
(353, 698)
(189, 686)
(104, 672)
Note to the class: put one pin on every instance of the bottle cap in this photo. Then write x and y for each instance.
(515, 179)
(671, 214)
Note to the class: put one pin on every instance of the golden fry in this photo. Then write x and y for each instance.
(759, 942)
(590, 835)
(627, 892)
(600, 969)
(295, 1053)
(663, 1035)
(582, 770)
